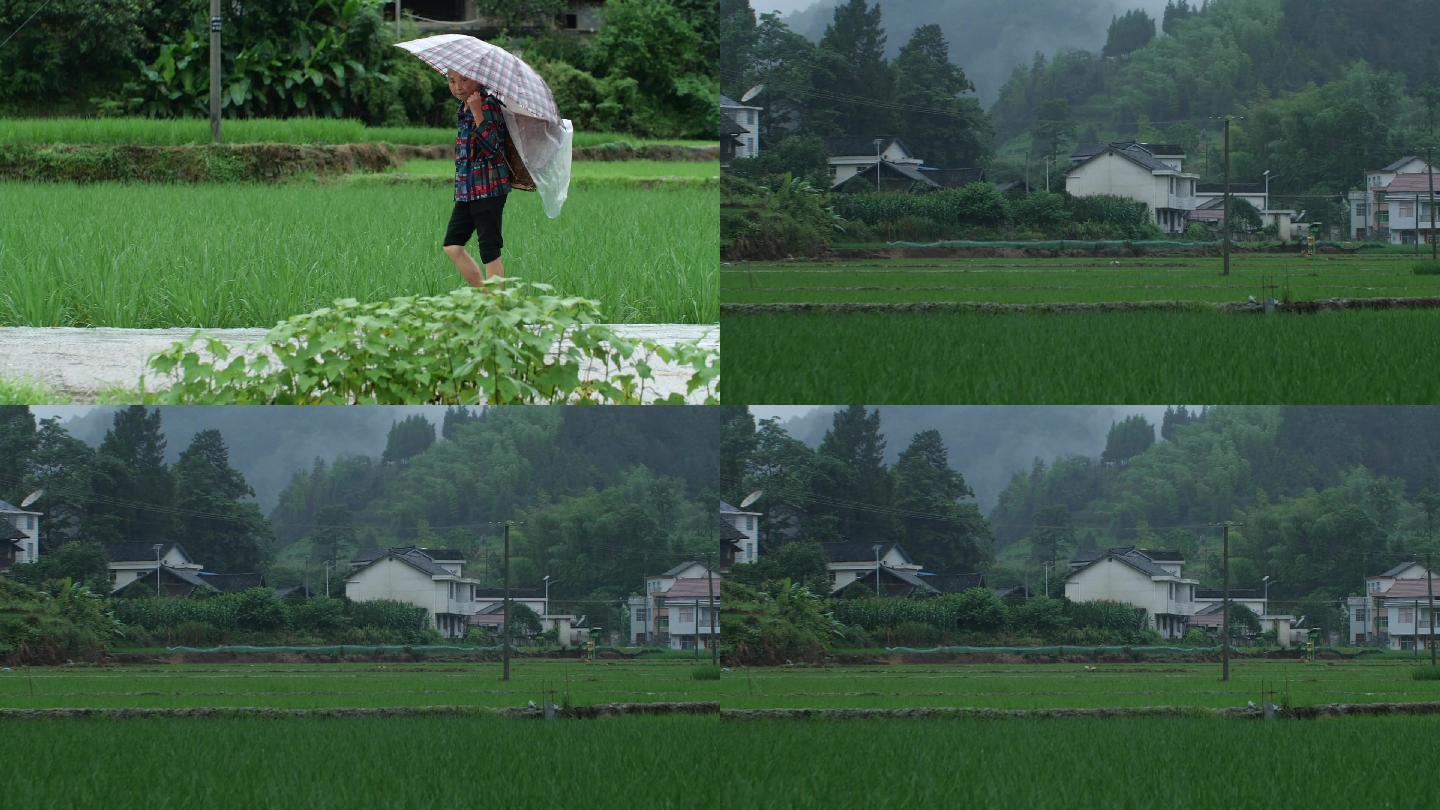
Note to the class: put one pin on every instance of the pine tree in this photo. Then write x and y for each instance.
(222, 526)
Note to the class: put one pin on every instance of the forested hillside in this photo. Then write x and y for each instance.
(1324, 89)
(600, 496)
(1324, 496)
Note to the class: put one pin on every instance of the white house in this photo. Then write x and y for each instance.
(26, 547)
(132, 561)
(1386, 614)
(1146, 578)
(851, 156)
(680, 609)
(1146, 172)
(429, 578)
(898, 575)
(1369, 215)
(748, 118)
(1405, 210)
(748, 525)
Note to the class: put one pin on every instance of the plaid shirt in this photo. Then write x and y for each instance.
(480, 167)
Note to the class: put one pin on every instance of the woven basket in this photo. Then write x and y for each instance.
(520, 178)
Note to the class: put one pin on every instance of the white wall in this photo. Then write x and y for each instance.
(1118, 582)
(1112, 174)
(29, 524)
(392, 579)
(749, 119)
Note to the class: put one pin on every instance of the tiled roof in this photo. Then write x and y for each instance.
(902, 169)
(692, 589)
(1142, 560)
(1408, 183)
(953, 178)
(515, 593)
(1409, 589)
(1397, 164)
(728, 532)
(729, 126)
(1401, 567)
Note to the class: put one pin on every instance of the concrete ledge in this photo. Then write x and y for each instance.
(84, 363)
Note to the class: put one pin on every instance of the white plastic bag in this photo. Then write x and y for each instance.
(545, 148)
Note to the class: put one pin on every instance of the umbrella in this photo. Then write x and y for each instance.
(541, 137)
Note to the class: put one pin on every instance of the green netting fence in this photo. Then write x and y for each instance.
(1089, 244)
(344, 649)
(1066, 649)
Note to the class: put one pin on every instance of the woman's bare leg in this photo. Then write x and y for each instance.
(469, 270)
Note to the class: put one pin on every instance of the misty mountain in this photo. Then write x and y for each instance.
(267, 445)
(989, 38)
(988, 444)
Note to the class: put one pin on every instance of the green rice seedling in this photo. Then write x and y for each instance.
(353, 684)
(1426, 674)
(1426, 268)
(251, 255)
(28, 392)
(1346, 357)
(707, 673)
(1083, 279)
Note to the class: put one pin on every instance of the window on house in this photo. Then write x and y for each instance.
(1407, 615)
(750, 523)
(572, 21)
(1407, 210)
(687, 615)
(1360, 614)
(641, 614)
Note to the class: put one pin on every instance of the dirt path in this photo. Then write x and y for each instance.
(84, 363)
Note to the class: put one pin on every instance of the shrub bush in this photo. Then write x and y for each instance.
(757, 222)
(1425, 268)
(508, 343)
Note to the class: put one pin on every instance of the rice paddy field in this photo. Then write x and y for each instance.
(1097, 355)
(1071, 686)
(939, 357)
(404, 762)
(249, 255)
(351, 686)
(1077, 280)
(170, 132)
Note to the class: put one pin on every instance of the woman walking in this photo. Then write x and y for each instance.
(482, 180)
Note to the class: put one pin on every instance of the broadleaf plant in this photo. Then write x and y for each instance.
(509, 342)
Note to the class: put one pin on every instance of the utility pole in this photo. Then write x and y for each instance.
(215, 71)
(397, 19)
(505, 654)
(1226, 248)
(1430, 595)
(1430, 174)
(710, 576)
(1225, 564)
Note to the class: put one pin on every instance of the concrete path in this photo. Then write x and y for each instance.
(82, 363)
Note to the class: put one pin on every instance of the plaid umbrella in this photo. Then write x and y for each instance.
(503, 73)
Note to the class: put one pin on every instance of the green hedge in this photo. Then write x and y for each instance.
(260, 614)
(180, 164)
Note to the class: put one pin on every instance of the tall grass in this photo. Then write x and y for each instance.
(1119, 764)
(360, 685)
(251, 255)
(1078, 280)
(401, 762)
(1355, 357)
(162, 132)
(1193, 684)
